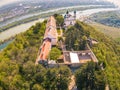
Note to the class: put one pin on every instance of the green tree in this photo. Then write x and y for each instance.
(54, 53)
(59, 19)
(50, 79)
(16, 83)
(37, 87)
(57, 78)
(75, 39)
(63, 78)
(90, 77)
(83, 43)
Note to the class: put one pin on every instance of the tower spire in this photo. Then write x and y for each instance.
(75, 14)
(67, 12)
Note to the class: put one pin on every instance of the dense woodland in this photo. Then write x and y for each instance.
(19, 72)
(107, 51)
(76, 37)
(91, 76)
(17, 65)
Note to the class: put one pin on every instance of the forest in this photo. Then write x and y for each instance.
(19, 72)
(107, 51)
(17, 65)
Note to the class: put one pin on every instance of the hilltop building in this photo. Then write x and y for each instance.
(77, 58)
(50, 39)
(51, 31)
(70, 58)
(69, 19)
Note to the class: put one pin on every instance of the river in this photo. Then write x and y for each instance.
(2, 46)
(17, 29)
(46, 11)
(23, 27)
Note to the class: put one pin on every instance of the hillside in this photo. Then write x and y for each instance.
(17, 65)
(112, 32)
(108, 52)
(111, 18)
(18, 71)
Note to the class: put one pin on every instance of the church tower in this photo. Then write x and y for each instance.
(75, 15)
(67, 12)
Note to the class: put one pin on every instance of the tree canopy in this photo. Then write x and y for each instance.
(90, 77)
(107, 51)
(55, 53)
(76, 37)
(19, 72)
(17, 64)
(59, 19)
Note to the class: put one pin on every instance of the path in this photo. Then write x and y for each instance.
(72, 85)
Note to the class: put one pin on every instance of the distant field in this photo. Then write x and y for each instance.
(111, 18)
(107, 30)
(46, 13)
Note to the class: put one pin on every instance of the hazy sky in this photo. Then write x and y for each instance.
(4, 2)
(117, 2)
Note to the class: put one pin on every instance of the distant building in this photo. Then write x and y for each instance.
(50, 38)
(69, 19)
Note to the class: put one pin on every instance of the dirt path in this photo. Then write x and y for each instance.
(72, 83)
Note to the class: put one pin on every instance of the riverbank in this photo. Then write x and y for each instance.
(45, 13)
(6, 43)
(23, 27)
(16, 30)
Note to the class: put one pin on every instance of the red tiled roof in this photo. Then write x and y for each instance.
(51, 28)
(45, 48)
(50, 33)
(51, 22)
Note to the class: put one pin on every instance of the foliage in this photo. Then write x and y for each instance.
(57, 78)
(59, 19)
(111, 18)
(19, 72)
(55, 53)
(76, 37)
(17, 64)
(107, 51)
(91, 76)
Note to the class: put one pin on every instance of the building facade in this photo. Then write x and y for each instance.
(69, 19)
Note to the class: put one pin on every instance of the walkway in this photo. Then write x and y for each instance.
(72, 84)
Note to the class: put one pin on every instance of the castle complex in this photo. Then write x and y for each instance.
(50, 39)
